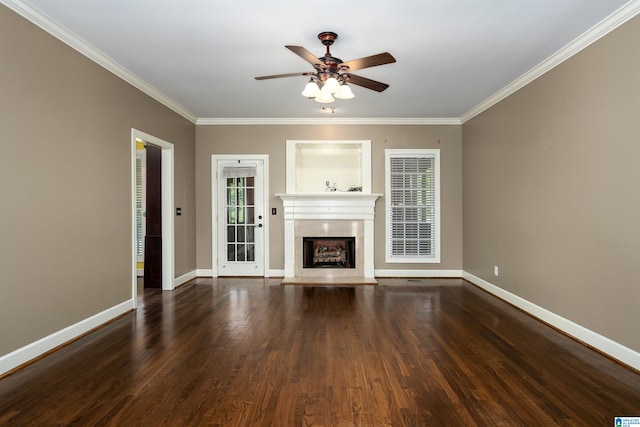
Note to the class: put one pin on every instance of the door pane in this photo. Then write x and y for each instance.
(251, 256)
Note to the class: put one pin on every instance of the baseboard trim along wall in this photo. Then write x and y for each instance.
(587, 336)
(204, 272)
(38, 348)
(208, 272)
(418, 273)
(185, 278)
(275, 273)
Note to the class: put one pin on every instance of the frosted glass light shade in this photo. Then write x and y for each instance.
(331, 85)
(344, 92)
(311, 90)
(325, 97)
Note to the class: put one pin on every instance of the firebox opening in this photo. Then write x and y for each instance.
(329, 252)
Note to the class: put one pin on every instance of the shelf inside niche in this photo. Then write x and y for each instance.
(311, 163)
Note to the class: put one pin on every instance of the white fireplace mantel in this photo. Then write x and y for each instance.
(329, 206)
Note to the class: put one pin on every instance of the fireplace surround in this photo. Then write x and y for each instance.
(328, 184)
(329, 215)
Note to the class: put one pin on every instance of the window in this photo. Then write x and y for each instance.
(412, 206)
(140, 203)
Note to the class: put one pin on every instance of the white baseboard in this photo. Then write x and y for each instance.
(276, 273)
(184, 278)
(602, 343)
(208, 272)
(204, 272)
(418, 273)
(35, 349)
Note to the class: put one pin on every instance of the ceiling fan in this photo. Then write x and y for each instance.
(331, 74)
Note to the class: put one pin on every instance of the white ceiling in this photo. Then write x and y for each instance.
(201, 56)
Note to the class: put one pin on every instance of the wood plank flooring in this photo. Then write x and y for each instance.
(250, 352)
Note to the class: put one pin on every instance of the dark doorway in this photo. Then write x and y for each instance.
(153, 238)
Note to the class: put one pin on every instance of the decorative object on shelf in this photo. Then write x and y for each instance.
(331, 76)
(333, 188)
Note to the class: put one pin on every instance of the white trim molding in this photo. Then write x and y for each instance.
(418, 273)
(613, 21)
(168, 209)
(58, 31)
(213, 121)
(38, 348)
(587, 336)
(276, 273)
(204, 272)
(598, 31)
(184, 278)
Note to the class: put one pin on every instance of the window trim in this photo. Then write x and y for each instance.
(435, 256)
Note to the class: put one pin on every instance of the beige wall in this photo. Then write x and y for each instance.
(551, 189)
(65, 183)
(270, 139)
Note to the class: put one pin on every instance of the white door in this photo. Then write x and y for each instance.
(240, 224)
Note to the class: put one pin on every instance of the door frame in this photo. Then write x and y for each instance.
(168, 258)
(215, 158)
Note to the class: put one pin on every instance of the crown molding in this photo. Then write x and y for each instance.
(63, 34)
(604, 27)
(330, 121)
(613, 21)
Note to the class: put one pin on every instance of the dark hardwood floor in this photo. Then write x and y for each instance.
(250, 352)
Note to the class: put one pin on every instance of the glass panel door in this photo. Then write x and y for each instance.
(240, 219)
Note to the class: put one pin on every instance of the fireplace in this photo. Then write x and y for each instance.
(328, 252)
(330, 217)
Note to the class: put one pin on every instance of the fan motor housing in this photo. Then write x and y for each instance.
(327, 37)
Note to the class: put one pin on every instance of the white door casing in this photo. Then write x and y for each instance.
(168, 258)
(239, 219)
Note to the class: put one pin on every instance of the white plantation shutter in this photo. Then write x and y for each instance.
(140, 204)
(413, 206)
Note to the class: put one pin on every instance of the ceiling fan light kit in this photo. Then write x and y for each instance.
(329, 81)
(344, 92)
(325, 97)
(311, 90)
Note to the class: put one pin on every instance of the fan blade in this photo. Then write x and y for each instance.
(306, 55)
(277, 76)
(367, 83)
(370, 61)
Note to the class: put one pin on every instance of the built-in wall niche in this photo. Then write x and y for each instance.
(344, 164)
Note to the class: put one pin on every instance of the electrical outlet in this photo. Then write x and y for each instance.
(495, 270)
